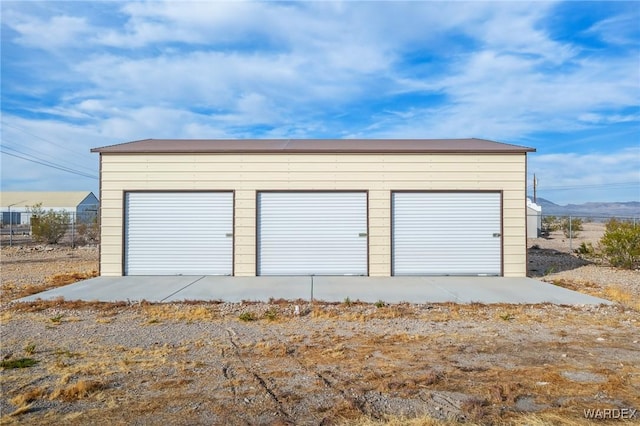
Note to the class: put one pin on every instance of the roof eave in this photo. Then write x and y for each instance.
(312, 146)
(306, 151)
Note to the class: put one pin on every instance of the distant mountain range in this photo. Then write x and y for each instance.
(621, 209)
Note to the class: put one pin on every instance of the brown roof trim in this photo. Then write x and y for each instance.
(312, 146)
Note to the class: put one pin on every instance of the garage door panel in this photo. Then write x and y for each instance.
(304, 233)
(179, 233)
(446, 233)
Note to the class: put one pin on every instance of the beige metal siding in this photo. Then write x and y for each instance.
(379, 233)
(377, 173)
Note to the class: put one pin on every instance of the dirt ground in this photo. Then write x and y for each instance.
(344, 363)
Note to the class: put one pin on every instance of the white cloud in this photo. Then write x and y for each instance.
(316, 69)
(48, 34)
(621, 29)
(320, 52)
(497, 95)
(515, 28)
(148, 122)
(570, 177)
(595, 118)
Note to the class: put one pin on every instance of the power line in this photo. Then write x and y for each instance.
(53, 166)
(64, 169)
(594, 185)
(75, 152)
(4, 123)
(60, 162)
(41, 160)
(45, 161)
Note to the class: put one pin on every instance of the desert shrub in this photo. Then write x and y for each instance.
(621, 244)
(30, 349)
(271, 314)
(48, 226)
(18, 363)
(571, 226)
(89, 232)
(585, 249)
(550, 224)
(247, 317)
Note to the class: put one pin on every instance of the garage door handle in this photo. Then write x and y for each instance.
(362, 234)
(228, 234)
(497, 234)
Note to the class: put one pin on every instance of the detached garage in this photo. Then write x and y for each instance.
(313, 207)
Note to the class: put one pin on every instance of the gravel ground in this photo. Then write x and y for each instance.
(202, 364)
(553, 259)
(259, 363)
(36, 266)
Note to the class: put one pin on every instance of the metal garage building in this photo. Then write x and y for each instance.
(313, 207)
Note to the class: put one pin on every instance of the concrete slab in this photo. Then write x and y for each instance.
(238, 289)
(509, 290)
(117, 289)
(423, 289)
(373, 289)
(329, 289)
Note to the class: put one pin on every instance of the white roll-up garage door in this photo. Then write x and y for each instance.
(305, 233)
(178, 233)
(446, 233)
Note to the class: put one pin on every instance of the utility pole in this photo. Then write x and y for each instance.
(535, 189)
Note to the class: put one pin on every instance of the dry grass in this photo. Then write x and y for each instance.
(552, 419)
(621, 295)
(21, 410)
(59, 280)
(398, 421)
(170, 384)
(360, 312)
(106, 308)
(269, 348)
(397, 367)
(28, 397)
(490, 352)
(79, 390)
(400, 367)
(10, 290)
(179, 312)
(615, 293)
(5, 317)
(581, 286)
(541, 419)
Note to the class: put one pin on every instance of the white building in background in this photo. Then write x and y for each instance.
(15, 206)
(534, 219)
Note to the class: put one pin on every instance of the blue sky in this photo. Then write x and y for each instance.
(563, 77)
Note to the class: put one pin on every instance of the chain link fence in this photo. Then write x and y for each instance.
(52, 227)
(572, 229)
